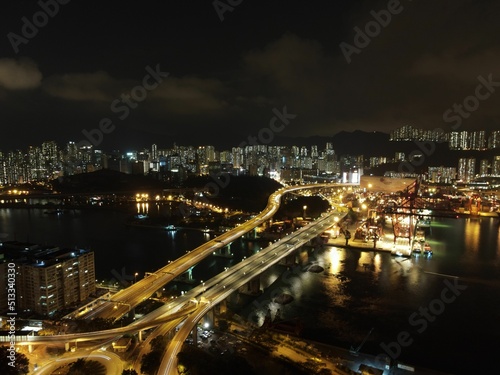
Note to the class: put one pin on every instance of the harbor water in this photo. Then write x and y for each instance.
(447, 305)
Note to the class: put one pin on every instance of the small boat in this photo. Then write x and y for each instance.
(420, 235)
(417, 248)
(427, 249)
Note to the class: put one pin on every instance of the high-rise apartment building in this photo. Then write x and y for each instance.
(404, 133)
(466, 169)
(3, 169)
(495, 166)
(484, 167)
(477, 140)
(377, 160)
(314, 151)
(459, 140)
(442, 175)
(399, 156)
(409, 133)
(238, 157)
(51, 160)
(50, 279)
(15, 168)
(154, 152)
(36, 170)
(494, 139)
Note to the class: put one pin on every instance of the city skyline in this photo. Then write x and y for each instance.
(304, 183)
(411, 147)
(457, 140)
(202, 71)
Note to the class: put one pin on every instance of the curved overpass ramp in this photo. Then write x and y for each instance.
(126, 299)
(178, 309)
(238, 276)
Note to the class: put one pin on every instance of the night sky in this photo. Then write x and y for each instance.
(228, 69)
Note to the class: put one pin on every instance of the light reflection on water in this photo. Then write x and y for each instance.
(356, 292)
(449, 342)
(363, 290)
(472, 235)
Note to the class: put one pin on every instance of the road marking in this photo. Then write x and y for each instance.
(441, 274)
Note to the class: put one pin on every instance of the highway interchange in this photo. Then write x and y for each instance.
(194, 304)
(235, 277)
(124, 300)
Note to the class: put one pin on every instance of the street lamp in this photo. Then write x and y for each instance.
(305, 208)
(135, 277)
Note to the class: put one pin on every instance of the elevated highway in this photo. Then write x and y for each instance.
(195, 303)
(238, 276)
(126, 299)
(114, 332)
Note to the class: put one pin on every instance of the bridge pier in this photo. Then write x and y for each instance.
(30, 348)
(288, 261)
(186, 277)
(221, 308)
(224, 252)
(251, 235)
(318, 241)
(66, 346)
(139, 335)
(251, 288)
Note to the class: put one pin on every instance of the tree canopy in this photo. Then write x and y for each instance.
(20, 364)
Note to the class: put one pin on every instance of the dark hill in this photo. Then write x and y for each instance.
(248, 193)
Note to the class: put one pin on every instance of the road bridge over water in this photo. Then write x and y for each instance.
(239, 275)
(195, 303)
(128, 298)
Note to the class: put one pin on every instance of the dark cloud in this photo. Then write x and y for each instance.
(19, 74)
(98, 86)
(191, 96)
(226, 77)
